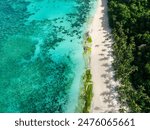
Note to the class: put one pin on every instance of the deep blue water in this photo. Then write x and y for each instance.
(41, 54)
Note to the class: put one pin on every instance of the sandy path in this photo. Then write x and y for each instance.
(105, 96)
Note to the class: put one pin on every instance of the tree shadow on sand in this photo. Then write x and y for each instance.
(110, 96)
(104, 58)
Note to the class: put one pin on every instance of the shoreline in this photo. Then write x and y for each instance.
(105, 97)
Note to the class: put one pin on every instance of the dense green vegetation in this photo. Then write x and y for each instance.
(130, 23)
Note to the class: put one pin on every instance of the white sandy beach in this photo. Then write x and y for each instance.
(104, 94)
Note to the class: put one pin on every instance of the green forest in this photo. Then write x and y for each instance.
(130, 24)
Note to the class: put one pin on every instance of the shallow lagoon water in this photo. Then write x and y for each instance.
(41, 54)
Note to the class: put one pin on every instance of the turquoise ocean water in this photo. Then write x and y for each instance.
(41, 54)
